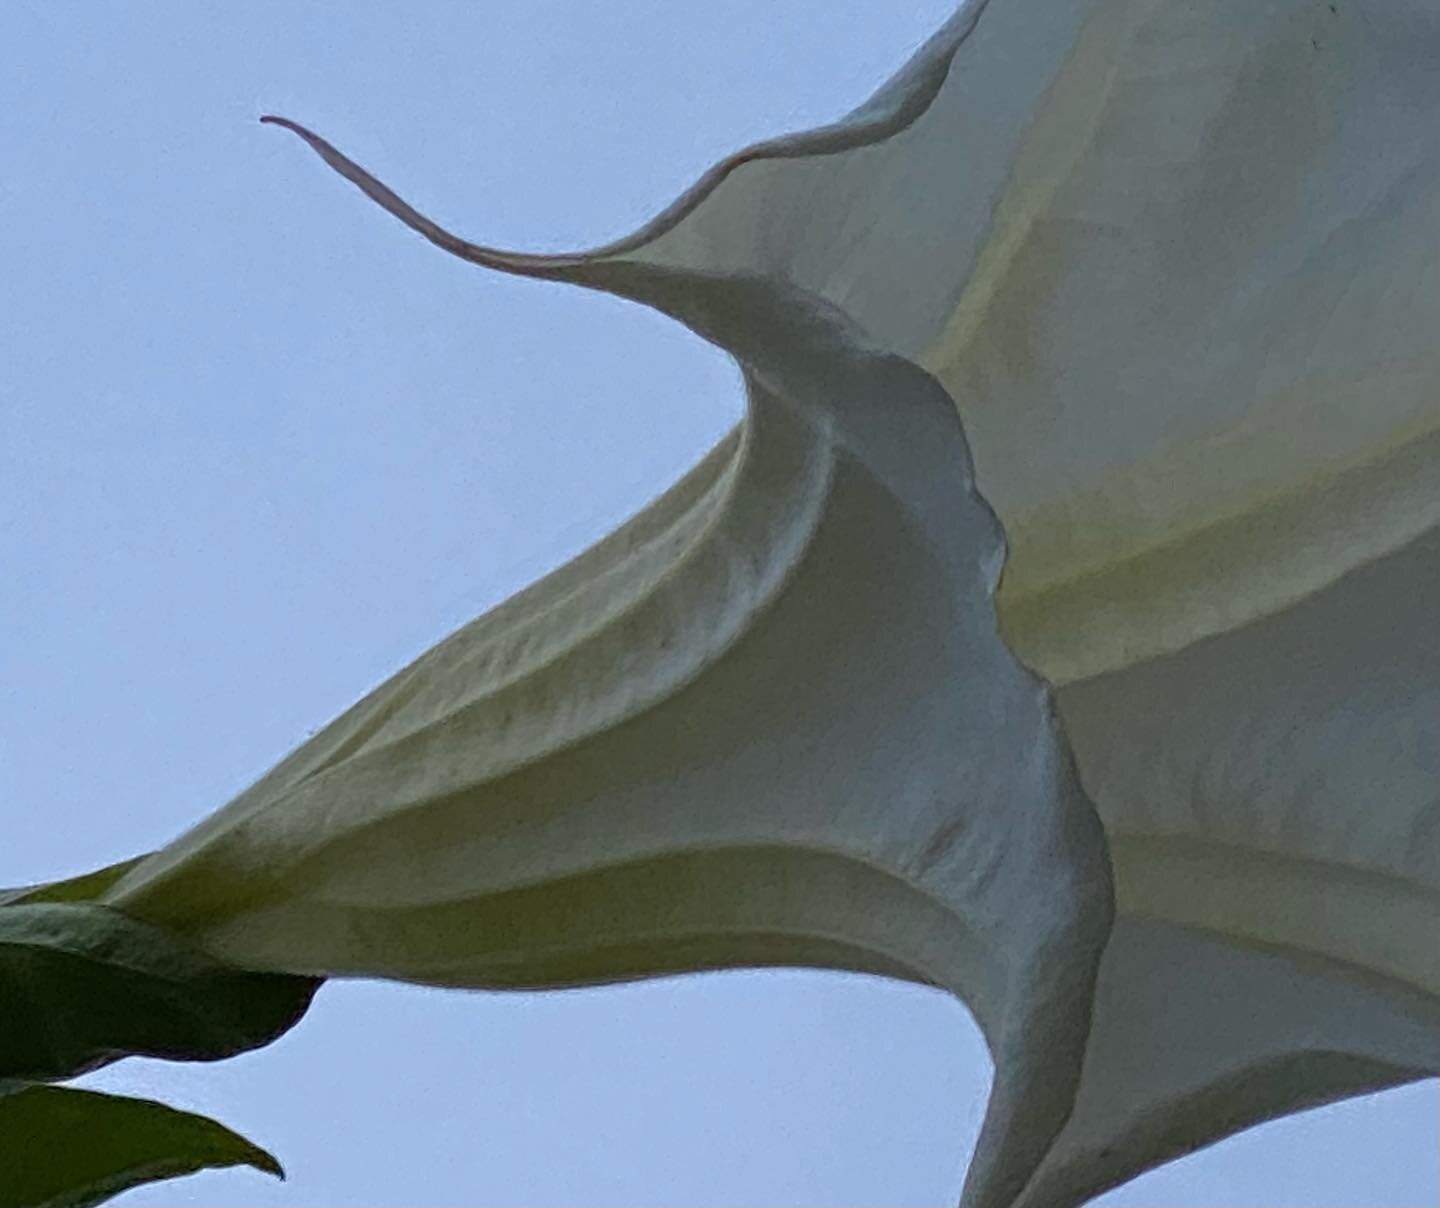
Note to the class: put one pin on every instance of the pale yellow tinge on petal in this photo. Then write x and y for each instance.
(1059, 136)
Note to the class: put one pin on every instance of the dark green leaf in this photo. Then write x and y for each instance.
(67, 1148)
(81, 985)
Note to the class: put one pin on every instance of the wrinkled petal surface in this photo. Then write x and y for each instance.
(770, 721)
(1174, 263)
(1272, 799)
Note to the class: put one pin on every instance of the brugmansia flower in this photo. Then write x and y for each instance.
(1168, 270)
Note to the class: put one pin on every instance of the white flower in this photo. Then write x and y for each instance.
(1175, 264)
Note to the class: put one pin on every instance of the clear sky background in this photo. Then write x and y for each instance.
(260, 446)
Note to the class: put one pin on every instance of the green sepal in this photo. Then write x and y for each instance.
(72, 889)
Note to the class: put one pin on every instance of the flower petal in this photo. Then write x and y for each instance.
(1183, 295)
(1182, 292)
(1176, 265)
(770, 721)
(1272, 798)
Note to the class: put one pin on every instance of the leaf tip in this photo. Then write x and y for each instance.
(265, 1161)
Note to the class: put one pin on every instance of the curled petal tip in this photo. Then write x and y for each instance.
(271, 119)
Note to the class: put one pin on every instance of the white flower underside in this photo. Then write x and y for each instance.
(1174, 264)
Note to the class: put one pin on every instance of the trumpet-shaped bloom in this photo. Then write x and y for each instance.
(1152, 281)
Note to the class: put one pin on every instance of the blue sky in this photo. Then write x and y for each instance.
(259, 446)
